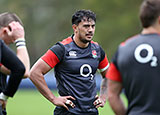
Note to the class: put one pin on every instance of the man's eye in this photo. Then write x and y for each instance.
(86, 26)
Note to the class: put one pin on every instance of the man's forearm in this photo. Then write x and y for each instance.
(117, 105)
(114, 98)
(41, 85)
(103, 89)
(22, 54)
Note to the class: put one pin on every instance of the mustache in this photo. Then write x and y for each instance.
(90, 34)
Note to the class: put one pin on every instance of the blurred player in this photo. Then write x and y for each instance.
(76, 60)
(12, 31)
(17, 70)
(136, 68)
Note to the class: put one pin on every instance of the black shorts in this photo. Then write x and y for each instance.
(64, 111)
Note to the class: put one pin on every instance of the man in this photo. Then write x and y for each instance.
(12, 31)
(136, 68)
(76, 60)
(10, 60)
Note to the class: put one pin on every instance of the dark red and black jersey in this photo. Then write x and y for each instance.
(75, 70)
(136, 65)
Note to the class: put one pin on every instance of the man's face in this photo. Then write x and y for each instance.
(85, 30)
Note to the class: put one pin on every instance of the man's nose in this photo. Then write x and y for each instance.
(90, 29)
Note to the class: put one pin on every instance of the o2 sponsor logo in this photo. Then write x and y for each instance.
(147, 58)
(89, 71)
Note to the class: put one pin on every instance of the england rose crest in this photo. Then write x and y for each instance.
(94, 53)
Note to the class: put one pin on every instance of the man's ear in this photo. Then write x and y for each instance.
(6, 30)
(74, 26)
(3, 30)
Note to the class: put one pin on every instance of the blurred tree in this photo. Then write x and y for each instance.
(48, 21)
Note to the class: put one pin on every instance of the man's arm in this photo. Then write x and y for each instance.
(101, 100)
(37, 77)
(22, 54)
(103, 67)
(113, 95)
(103, 89)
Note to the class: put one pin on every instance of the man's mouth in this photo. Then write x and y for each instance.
(89, 35)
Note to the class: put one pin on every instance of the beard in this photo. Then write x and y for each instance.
(85, 40)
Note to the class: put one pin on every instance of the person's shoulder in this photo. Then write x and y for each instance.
(94, 43)
(66, 40)
(128, 40)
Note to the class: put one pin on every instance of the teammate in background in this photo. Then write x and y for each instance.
(136, 68)
(12, 31)
(76, 60)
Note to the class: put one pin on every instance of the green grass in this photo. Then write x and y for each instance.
(31, 102)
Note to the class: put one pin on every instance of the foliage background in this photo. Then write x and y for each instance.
(48, 21)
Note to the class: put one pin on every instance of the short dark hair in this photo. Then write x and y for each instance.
(8, 17)
(149, 12)
(83, 14)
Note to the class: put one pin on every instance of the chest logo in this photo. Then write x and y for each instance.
(148, 57)
(73, 53)
(94, 53)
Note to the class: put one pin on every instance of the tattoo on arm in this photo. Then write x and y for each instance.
(103, 90)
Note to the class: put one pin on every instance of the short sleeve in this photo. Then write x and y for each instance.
(54, 55)
(104, 63)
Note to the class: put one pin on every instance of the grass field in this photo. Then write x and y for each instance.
(31, 102)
